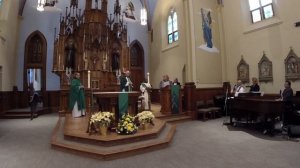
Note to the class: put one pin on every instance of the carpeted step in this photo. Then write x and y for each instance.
(162, 116)
(177, 119)
(23, 113)
(110, 152)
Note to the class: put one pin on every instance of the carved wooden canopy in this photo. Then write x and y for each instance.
(292, 69)
(265, 69)
(243, 71)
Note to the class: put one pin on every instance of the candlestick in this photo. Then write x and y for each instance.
(89, 79)
(58, 66)
(148, 77)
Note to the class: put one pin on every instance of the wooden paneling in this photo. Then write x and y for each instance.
(207, 93)
(201, 94)
(19, 99)
(155, 98)
(5, 101)
(189, 99)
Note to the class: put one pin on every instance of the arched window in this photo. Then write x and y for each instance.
(172, 27)
(261, 9)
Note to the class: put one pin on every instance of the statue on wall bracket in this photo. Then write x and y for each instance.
(70, 53)
(265, 69)
(243, 71)
(292, 63)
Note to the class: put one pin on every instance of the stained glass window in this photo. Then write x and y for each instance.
(173, 34)
(261, 9)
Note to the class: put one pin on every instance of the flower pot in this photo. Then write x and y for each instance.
(103, 130)
(145, 126)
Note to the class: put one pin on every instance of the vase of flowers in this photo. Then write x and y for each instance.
(145, 118)
(103, 130)
(102, 120)
(126, 125)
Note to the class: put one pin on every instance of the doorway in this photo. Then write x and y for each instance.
(137, 66)
(35, 63)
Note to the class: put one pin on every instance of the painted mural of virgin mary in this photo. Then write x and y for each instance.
(206, 15)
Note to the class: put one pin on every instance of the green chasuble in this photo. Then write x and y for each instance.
(76, 95)
(123, 103)
(175, 98)
(123, 82)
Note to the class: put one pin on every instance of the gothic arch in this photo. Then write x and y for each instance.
(136, 54)
(35, 57)
(137, 65)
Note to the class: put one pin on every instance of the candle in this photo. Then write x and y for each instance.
(58, 62)
(148, 77)
(89, 79)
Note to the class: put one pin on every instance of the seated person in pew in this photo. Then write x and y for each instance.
(254, 87)
(286, 96)
(238, 88)
(287, 93)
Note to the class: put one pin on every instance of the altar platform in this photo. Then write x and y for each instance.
(70, 135)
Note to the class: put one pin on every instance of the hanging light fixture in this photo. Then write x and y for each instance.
(143, 16)
(45, 4)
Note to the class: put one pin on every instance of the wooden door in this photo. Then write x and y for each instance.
(137, 66)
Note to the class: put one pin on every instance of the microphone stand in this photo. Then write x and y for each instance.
(225, 122)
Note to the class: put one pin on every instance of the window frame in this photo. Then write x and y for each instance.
(173, 32)
(261, 11)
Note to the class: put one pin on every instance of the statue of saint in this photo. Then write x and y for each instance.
(115, 61)
(70, 54)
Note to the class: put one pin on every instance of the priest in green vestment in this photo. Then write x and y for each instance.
(76, 99)
(125, 82)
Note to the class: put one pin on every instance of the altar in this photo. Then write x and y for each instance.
(109, 101)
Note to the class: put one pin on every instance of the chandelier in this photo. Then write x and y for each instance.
(44, 4)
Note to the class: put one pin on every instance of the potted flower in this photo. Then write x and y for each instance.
(126, 125)
(102, 120)
(145, 118)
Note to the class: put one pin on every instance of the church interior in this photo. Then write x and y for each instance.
(149, 83)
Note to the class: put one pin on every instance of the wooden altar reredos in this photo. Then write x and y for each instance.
(91, 41)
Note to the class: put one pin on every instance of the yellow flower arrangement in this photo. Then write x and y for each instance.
(126, 125)
(145, 117)
(102, 118)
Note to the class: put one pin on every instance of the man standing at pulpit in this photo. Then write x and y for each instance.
(125, 82)
(76, 99)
